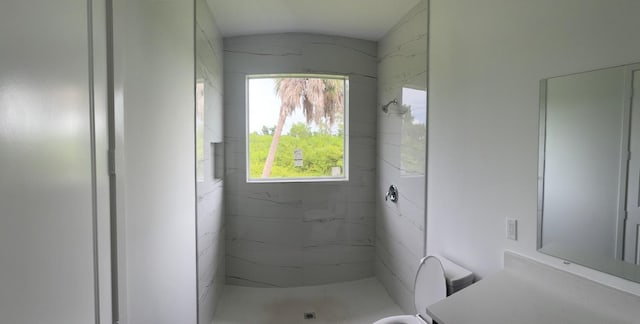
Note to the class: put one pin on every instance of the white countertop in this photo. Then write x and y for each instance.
(527, 293)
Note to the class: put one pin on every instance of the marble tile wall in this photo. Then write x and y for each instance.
(210, 198)
(294, 234)
(400, 227)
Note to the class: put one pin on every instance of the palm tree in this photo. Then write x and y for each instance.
(321, 101)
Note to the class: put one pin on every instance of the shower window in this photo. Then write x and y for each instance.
(200, 159)
(297, 128)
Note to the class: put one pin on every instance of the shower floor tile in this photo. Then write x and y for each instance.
(355, 302)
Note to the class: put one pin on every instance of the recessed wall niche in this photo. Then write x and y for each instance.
(217, 161)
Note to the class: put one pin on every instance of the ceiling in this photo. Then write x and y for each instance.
(365, 19)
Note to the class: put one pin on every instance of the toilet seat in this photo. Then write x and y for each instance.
(429, 287)
(402, 319)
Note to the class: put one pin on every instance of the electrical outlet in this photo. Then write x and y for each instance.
(512, 229)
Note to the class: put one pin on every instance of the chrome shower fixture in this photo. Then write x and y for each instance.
(385, 108)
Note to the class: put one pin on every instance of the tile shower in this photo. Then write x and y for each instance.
(271, 235)
(400, 228)
(297, 234)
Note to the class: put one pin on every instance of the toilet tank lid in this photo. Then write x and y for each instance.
(454, 273)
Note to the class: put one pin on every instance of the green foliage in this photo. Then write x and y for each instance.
(414, 140)
(300, 130)
(199, 152)
(320, 153)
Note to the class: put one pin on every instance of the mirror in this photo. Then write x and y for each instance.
(589, 169)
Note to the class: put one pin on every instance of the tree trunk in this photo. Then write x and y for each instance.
(268, 164)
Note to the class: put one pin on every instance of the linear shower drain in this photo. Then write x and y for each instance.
(309, 315)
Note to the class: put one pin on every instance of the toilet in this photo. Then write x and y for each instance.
(436, 278)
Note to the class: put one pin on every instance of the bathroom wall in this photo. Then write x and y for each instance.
(54, 195)
(154, 103)
(402, 75)
(486, 61)
(293, 234)
(209, 185)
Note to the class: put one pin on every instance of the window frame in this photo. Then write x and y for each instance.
(345, 171)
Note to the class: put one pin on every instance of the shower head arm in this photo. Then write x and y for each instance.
(385, 108)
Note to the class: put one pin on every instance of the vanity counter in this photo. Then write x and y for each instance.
(528, 292)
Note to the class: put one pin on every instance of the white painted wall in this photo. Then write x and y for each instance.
(486, 61)
(154, 43)
(51, 225)
(402, 63)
